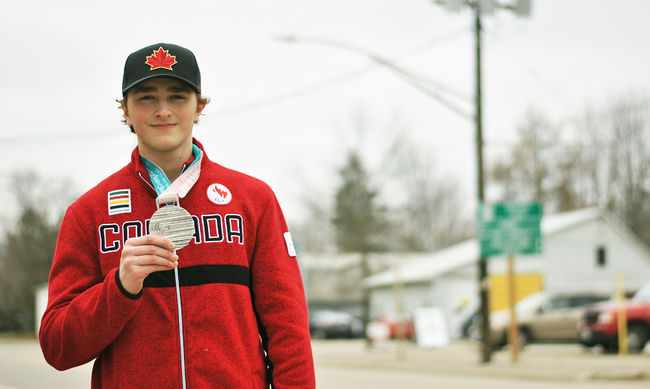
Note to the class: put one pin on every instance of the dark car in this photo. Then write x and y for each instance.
(325, 324)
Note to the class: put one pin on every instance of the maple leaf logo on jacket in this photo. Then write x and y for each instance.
(160, 59)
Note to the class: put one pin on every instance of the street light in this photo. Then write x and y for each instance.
(521, 8)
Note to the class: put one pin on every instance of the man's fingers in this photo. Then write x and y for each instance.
(169, 260)
(154, 260)
(150, 250)
(154, 240)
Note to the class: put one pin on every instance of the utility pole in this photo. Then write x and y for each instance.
(521, 8)
(483, 277)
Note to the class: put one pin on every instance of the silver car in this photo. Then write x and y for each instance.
(542, 317)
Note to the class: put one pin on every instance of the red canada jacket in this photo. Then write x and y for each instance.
(243, 306)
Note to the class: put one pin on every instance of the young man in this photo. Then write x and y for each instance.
(227, 310)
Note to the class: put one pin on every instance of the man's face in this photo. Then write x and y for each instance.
(162, 112)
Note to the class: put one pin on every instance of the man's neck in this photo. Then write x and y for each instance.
(170, 162)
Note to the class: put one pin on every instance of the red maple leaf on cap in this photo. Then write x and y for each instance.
(160, 59)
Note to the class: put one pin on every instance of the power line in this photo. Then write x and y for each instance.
(533, 73)
(295, 94)
(346, 77)
(405, 74)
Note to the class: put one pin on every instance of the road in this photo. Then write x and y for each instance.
(341, 365)
(355, 378)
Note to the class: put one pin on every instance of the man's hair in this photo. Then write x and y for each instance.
(122, 102)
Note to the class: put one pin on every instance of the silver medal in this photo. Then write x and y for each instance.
(174, 223)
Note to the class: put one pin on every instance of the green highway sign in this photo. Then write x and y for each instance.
(510, 228)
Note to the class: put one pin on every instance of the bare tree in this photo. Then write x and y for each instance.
(571, 176)
(429, 214)
(628, 158)
(526, 173)
(607, 163)
(591, 145)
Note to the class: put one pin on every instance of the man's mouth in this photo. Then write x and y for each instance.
(163, 126)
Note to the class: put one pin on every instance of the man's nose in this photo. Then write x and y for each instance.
(163, 109)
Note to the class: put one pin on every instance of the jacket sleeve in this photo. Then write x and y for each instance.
(86, 311)
(279, 301)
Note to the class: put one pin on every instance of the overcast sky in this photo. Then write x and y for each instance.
(284, 112)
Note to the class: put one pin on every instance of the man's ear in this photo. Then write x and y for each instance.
(199, 109)
(126, 113)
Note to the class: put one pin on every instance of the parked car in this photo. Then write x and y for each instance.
(389, 327)
(542, 317)
(325, 324)
(399, 329)
(599, 325)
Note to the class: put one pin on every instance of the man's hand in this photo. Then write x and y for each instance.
(142, 256)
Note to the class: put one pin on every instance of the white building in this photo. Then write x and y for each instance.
(582, 250)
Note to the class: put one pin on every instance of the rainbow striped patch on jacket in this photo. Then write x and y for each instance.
(119, 201)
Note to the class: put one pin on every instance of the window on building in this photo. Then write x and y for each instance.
(601, 257)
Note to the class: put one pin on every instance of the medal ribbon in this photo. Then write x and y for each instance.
(172, 192)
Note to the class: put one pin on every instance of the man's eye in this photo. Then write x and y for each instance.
(178, 97)
(145, 97)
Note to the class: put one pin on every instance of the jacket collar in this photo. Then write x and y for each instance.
(139, 168)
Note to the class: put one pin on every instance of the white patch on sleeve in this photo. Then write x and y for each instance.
(290, 247)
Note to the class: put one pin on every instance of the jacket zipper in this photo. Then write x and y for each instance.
(179, 305)
(147, 182)
(180, 325)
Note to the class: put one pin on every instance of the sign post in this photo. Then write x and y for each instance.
(513, 331)
(621, 322)
(509, 229)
